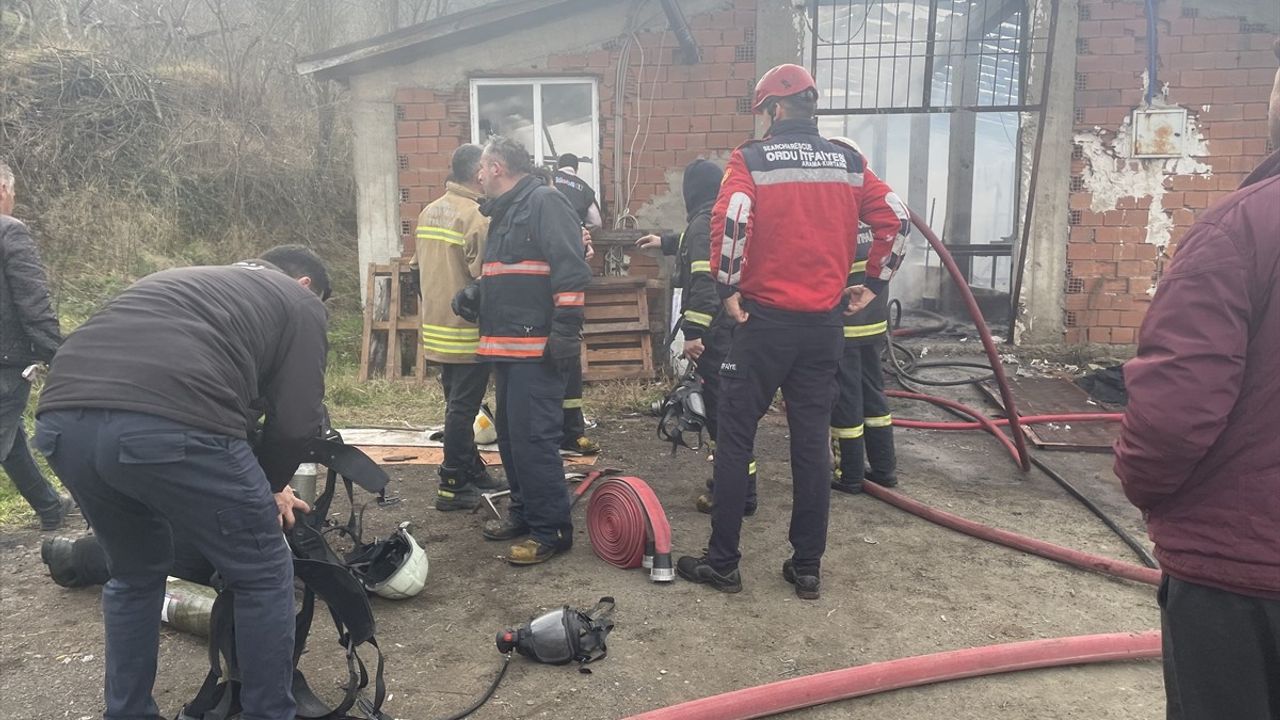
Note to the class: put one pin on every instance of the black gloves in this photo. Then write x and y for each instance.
(413, 283)
(466, 304)
(564, 353)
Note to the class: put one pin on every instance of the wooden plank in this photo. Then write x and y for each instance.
(393, 317)
(613, 313)
(366, 335)
(413, 455)
(605, 283)
(616, 373)
(646, 348)
(625, 354)
(627, 338)
(597, 328)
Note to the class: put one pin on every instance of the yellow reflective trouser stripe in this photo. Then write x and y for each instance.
(697, 318)
(858, 331)
(700, 266)
(751, 468)
(878, 421)
(849, 433)
(860, 266)
(438, 233)
(572, 403)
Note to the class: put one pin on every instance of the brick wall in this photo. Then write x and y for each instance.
(1221, 70)
(689, 111)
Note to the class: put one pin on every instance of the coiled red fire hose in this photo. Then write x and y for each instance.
(862, 680)
(1058, 553)
(628, 527)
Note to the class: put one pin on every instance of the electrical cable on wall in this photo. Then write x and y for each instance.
(1153, 56)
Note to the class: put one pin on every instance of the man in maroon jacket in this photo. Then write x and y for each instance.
(1198, 453)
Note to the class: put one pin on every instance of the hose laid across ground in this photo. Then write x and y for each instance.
(1048, 550)
(1000, 422)
(978, 421)
(863, 680)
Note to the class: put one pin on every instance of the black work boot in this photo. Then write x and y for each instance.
(849, 463)
(455, 493)
(75, 563)
(807, 581)
(54, 518)
(478, 475)
(699, 570)
(881, 457)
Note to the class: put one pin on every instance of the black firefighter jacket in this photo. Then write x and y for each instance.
(534, 279)
(28, 326)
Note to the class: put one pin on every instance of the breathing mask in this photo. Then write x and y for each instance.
(683, 410)
(562, 636)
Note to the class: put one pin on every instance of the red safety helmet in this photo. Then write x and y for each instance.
(782, 81)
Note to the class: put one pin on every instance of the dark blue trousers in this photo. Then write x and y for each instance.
(15, 456)
(801, 360)
(530, 425)
(464, 385)
(138, 476)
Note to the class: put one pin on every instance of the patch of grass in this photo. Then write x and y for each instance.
(353, 403)
(621, 397)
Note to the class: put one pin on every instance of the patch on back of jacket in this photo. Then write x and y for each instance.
(801, 161)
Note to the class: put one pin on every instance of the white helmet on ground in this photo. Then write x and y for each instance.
(397, 567)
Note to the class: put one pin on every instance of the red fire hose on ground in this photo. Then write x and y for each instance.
(803, 692)
(1077, 558)
(998, 422)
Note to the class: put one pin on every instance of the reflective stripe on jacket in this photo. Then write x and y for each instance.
(534, 275)
(450, 247)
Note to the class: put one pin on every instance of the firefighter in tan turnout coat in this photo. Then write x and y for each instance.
(450, 249)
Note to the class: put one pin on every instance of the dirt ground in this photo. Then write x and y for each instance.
(893, 586)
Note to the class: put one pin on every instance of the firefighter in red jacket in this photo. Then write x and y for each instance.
(783, 236)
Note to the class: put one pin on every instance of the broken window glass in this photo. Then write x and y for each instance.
(549, 116)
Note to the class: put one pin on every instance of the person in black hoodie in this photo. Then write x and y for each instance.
(707, 330)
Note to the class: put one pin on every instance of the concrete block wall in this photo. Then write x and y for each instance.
(1127, 215)
(685, 111)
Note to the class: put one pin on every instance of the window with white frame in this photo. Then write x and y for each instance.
(549, 116)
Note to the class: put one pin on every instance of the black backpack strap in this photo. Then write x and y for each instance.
(218, 697)
(599, 622)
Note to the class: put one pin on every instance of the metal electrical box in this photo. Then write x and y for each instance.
(1159, 132)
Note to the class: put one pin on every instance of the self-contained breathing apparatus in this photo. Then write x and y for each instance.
(562, 636)
(395, 567)
(682, 411)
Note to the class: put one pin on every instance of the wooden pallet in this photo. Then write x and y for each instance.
(390, 346)
(616, 335)
(623, 316)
